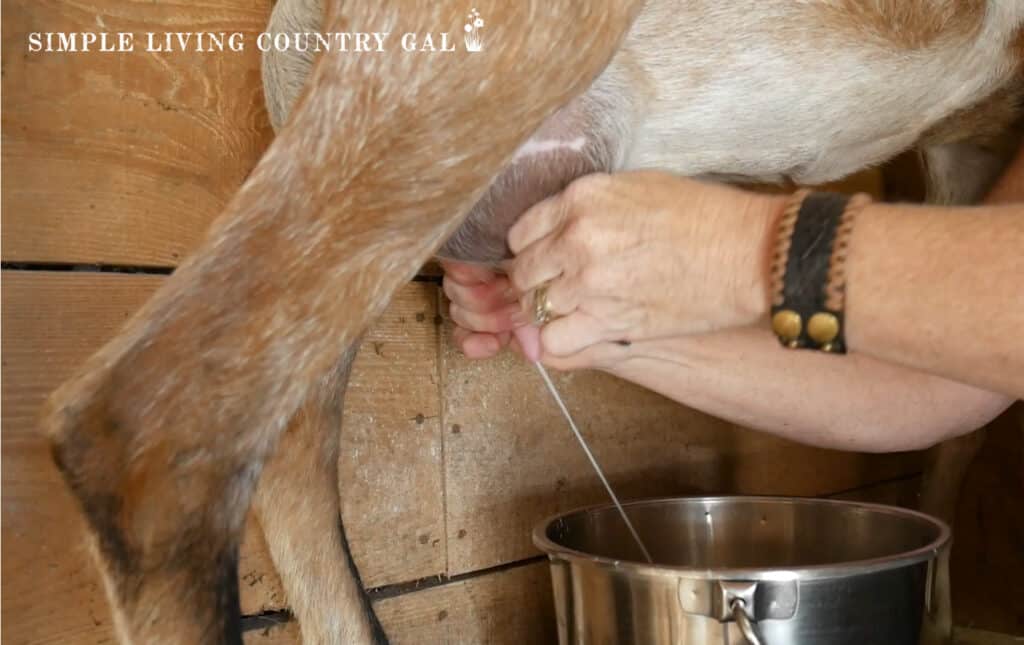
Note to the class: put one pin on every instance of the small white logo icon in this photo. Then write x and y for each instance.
(474, 41)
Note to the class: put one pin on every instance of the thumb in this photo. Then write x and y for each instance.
(528, 338)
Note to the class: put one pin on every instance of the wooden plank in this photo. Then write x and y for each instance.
(274, 634)
(390, 474)
(507, 607)
(124, 158)
(53, 321)
(511, 460)
(51, 591)
(391, 455)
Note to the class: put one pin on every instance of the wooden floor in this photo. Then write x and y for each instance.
(113, 167)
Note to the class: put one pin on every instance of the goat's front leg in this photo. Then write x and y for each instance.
(300, 512)
(164, 432)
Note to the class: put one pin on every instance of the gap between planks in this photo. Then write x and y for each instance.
(427, 273)
(439, 300)
(272, 618)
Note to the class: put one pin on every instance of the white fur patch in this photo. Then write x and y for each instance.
(533, 148)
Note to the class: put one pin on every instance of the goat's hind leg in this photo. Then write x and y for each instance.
(299, 510)
(297, 499)
(164, 432)
(170, 557)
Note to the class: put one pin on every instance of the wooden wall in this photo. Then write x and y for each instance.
(113, 166)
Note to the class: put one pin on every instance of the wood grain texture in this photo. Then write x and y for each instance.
(51, 591)
(502, 608)
(507, 607)
(279, 634)
(510, 459)
(124, 158)
(390, 468)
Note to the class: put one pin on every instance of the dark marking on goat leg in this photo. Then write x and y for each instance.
(379, 637)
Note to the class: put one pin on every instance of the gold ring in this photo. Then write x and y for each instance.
(541, 305)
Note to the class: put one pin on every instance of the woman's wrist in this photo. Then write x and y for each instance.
(763, 214)
(735, 229)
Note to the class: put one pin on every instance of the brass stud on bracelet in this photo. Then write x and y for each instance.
(787, 326)
(823, 328)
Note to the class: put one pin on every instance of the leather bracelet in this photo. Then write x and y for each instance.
(808, 269)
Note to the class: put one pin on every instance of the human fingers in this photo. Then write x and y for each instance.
(493, 322)
(481, 297)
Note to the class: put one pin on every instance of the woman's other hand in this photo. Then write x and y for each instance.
(486, 312)
(639, 256)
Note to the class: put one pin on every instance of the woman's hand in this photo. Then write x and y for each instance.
(643, 255)
(486, 312)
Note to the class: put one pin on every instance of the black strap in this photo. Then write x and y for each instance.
(807, 265)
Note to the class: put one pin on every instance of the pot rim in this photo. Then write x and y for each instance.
(556, 551)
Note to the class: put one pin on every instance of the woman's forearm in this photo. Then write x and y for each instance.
(940, 290)
(852, 403)
(943, 290)
(858, 402)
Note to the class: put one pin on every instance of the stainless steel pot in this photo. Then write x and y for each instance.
(768, 570)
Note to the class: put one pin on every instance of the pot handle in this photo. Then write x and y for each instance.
(743, 602)
(744, 622)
